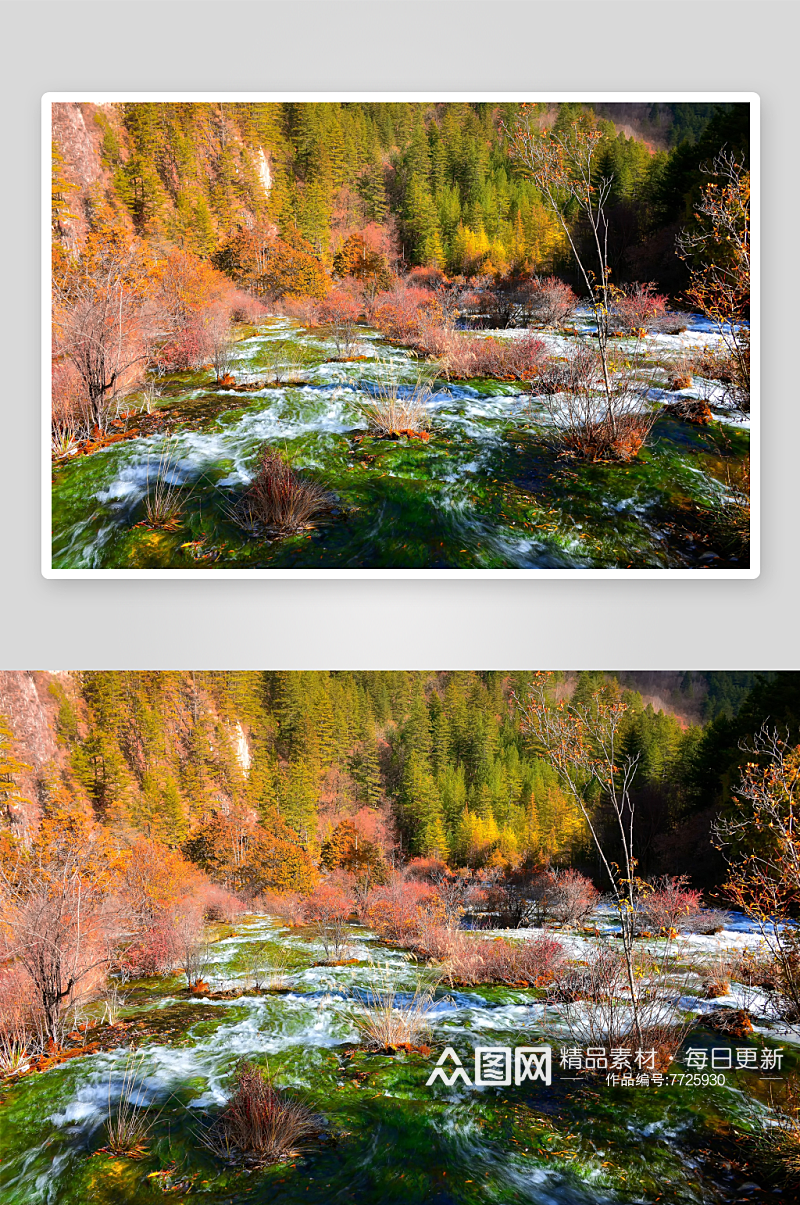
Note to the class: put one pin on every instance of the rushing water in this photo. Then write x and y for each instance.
(484, 491)
(386, 1135)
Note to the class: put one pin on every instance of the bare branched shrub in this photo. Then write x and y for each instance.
(193, 952)
(219, 904)
(106, 323)
(289, 906)
(596, 1006)
(260, 1124)
(636, 308)
(670, 905)
(773, 969)
(221, 342)
(340, 312)
(581, 421)
(551, 301)
(279, 499)
(328, 910)
(245, 308)
(463, 356)
(710, 920)
(717, 250)
(285, 361)
(276, 976)
(730, 369)
(571, 898)
(471, 960)
(72, 419)
(113, 1001)
(21, 1021)
(304, 309)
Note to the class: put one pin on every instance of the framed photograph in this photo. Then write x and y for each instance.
(375, 936)
(351, 335)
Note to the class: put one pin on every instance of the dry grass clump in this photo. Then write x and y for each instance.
(691, 410)
(260, 1124)
(279, 499)
(727, 515)
(733, 1022)
(129, 1124)
(164, 501)
(396, 409)
(775, 1139)
(715, 978)
(394, 1021)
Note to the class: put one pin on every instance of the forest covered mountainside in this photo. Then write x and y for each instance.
(434, 182)
(418, 763)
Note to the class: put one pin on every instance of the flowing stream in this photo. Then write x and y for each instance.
(485, 491)
(386, 1135)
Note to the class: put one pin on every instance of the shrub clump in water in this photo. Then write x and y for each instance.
(281, 500)
(260, 1124)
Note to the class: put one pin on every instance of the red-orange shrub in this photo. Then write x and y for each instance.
(638, 308)
(397, 909)
(399, 314)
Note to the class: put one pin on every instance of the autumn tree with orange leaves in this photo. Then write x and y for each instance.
(717, 250)
(761, 842)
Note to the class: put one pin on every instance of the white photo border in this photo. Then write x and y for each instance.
(750, 98)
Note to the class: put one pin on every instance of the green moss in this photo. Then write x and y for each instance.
(483, 492)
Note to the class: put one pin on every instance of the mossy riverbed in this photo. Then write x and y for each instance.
(485, 491)
(385, 1135)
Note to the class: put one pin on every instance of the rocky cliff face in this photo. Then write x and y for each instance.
(78, 138)
(32, 712)
(26, 700)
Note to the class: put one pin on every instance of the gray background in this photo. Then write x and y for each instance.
(445, 46)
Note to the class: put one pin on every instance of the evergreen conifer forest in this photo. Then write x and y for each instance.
(404, 936)
(394, 335)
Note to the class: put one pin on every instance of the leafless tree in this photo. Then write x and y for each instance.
(106, 323)
(60, 926)
(583, 744)
(564, 168)
(222, 351)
